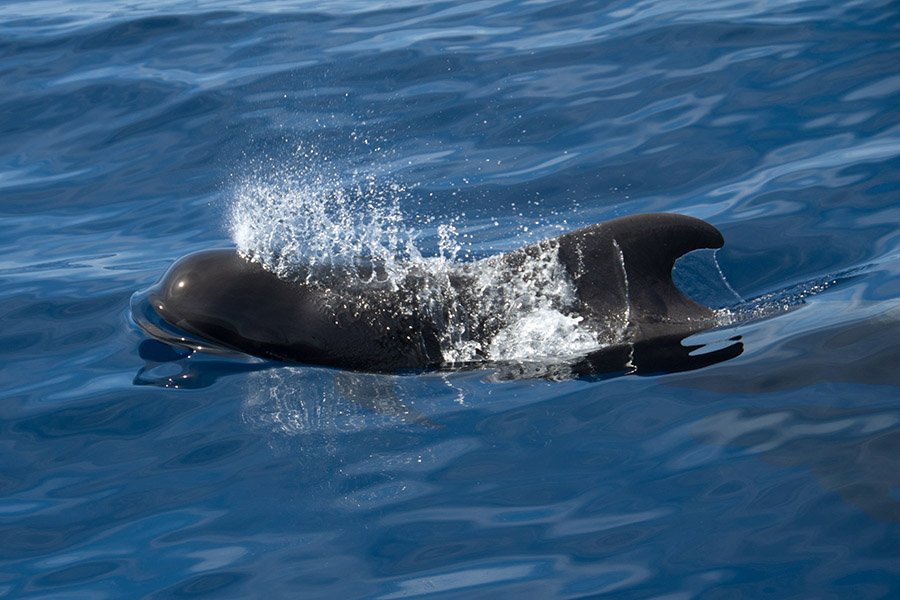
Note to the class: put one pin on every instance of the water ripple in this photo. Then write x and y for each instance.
(125, 128)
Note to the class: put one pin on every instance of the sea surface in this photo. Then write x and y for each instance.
(133, 133)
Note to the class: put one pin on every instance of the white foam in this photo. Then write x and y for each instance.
(543, 334)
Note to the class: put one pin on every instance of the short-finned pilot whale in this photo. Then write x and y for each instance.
(360, 318)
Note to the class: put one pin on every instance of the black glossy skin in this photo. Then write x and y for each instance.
(221, 297)
(648, 245)
(333, 319)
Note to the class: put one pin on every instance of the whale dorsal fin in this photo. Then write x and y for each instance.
(626, 264)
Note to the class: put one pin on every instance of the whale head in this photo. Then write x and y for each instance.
(218, 300)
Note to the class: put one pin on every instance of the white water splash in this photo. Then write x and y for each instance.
(522, 308)
(777, 302)
(309, 216)
(543, 334)
(291, 219)
(533, 308)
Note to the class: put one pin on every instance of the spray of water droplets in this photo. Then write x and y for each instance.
(292, 216)
(311, 216)
(292, 220)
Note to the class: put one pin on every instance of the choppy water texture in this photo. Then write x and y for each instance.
(134, 133)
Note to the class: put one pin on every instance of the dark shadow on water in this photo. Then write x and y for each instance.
(851, 451)
(832, 415)
(180, 368)
(175, 367)
(172, 366)
(650, 357)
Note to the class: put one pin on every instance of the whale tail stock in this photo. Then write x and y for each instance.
(627, 263)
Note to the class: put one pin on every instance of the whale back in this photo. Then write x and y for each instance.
(622, 270)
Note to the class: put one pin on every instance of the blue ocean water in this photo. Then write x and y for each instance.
(129, 131)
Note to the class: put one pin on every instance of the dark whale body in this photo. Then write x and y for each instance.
(359, 318)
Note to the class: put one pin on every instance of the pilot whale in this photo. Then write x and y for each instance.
(363, 316)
